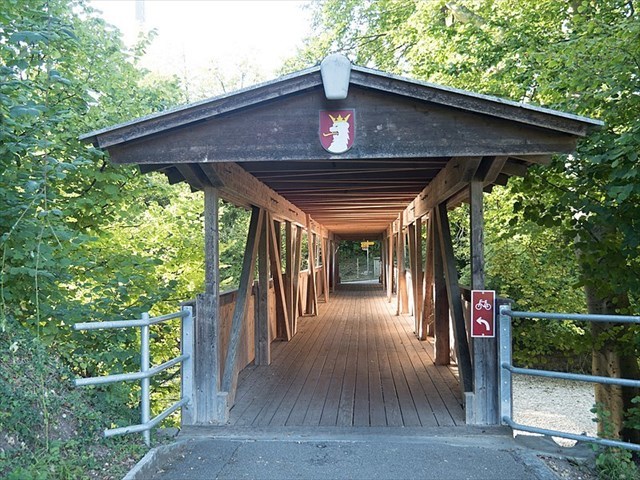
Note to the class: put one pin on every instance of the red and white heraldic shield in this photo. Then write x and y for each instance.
(337, 130)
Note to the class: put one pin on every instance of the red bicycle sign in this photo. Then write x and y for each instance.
(483, 313)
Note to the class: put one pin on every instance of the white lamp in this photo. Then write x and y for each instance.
(336, 71)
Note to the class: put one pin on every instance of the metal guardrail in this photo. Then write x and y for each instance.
(146, 371)
(507, 370)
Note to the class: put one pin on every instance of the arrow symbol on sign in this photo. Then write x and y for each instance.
(482, 321)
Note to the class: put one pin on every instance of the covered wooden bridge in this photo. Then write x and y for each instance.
(339, 153)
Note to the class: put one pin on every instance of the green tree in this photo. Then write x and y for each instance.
(64, 72)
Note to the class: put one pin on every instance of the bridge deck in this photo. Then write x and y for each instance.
(355, 364)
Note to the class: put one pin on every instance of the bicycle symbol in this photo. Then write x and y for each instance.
(482, 303)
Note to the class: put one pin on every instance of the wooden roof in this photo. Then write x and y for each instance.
(406, 132)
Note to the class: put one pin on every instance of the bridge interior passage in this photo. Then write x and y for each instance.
(355, 364)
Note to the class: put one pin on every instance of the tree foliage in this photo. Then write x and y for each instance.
(76, 230)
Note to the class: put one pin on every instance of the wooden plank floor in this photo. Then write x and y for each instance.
(355, 364)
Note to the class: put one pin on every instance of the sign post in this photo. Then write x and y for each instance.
(483, 315)
(365, 246)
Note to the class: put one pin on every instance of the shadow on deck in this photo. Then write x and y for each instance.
(355, 364)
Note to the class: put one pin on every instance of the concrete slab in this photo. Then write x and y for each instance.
(340, 455)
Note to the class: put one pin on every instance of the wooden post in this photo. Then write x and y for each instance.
(312, 291)
(325, 269)
(383, 262)
(262, 341)
(419, 288)
(455, 300)
(390, 267)
(206, 365)
(289, 258)
(485, 360)
(427, 317)
(440, 300)
(403, 300)
(336, 269)
(411, 231)
(332, 259)
(230, 376)
(297, 263)
(283, 329)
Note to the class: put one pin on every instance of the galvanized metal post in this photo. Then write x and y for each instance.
(144, 367)
(504, 358)
(186, 345)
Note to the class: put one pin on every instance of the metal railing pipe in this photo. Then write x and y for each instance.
(146, 371)
(623, 382)
(575, 317)
(571, 436)
(128, 377)
(142, 427)
(146, 382)
(145, 320)
(507, 369)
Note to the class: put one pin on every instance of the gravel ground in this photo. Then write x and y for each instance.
(557, 405)
(554, 404)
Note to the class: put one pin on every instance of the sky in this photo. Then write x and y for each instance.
(195, 34)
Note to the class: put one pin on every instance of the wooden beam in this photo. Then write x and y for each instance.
(207, 109)
(289, 259)
(262, 340)
(206, 361)
(297, 264)
(402, 299)
(441, 303)
(451, 179)
(325, 269)
(230, 375)
(211, 241)
(485, 359)
(383, 262)
(490, 170)
(427, 317)
(194, 175)
(242, 188)
(419, 290)
(390, 267)
(455, 300)
(312, 291)
(283, 328)
(411, 228)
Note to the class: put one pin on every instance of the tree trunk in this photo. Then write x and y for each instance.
(609, 359)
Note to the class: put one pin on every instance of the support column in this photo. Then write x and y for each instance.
(289, 258)
(297, 263)
(283, 328)
(403, 301)
(441, 323)
(204, 408)
(230, 374)
(485, 361)
(311, 291)
(262, 340)
(411, 240)
(415, 237)
(336, 269)
(455, 303)
(383, 262)
(390, 266)
(325, 268)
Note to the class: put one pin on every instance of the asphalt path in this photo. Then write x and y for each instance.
(360, 455)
